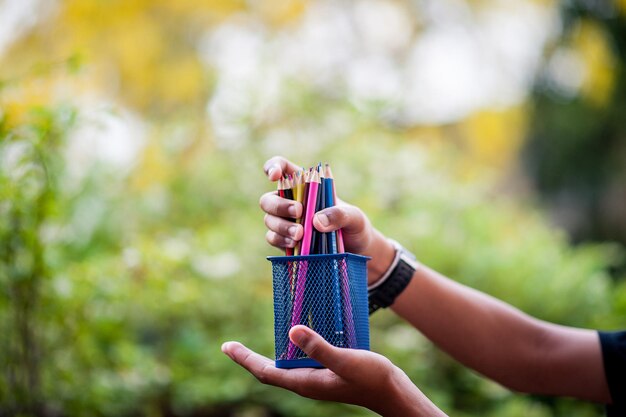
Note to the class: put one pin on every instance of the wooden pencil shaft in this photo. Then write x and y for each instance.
(308, 220)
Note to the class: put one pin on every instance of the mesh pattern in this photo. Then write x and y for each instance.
(327, 293)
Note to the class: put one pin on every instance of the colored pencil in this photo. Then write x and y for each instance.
(318, 246)
(343, 270)
(311, 201)
(330, 201)
(340, 247)
(284, 191)
(332, 247)
(305, 249)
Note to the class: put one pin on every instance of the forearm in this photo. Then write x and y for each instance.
(501, 342)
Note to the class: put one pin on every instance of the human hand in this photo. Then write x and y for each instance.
(352, 376)
(359, 235)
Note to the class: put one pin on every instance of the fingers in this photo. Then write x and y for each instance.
(278, 166)
(347, 217)
(259, 366)
(244, 356)
(282, 233)
(304, 381)
(271, 203)
(283, 227)
(311, 343)
(279, 241)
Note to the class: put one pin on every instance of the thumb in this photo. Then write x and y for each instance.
(347, 217)
(278, 166)
(317, 348)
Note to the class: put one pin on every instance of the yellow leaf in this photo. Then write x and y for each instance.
(594, 46)
(280, 12)
(493, 137)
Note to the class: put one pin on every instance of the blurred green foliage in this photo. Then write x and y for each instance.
(126, 316)
(28, 198)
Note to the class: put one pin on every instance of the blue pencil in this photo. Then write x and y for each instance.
(332, 247)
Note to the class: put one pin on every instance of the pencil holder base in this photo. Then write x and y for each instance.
(327, 293)
(298, 363)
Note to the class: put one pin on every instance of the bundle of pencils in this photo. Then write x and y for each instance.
(314, 188)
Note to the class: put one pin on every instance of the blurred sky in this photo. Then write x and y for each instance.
(429, 61)
(462, 60)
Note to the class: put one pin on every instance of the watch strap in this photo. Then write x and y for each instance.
(383, 295)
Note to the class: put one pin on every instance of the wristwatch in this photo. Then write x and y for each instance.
(383, 292)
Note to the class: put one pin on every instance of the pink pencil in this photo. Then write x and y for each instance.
(305, 250)
(310, 212)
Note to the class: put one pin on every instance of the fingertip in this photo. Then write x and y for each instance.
(296, 231)
(301, 327)
(327, 220)
(226, 349)
(274, 173)
(276, 166)
(299, 335)
(229, 347)
(294, 336)
(321, 221)
(316, 347)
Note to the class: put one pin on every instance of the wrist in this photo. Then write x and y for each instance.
(382, 253)
(405, 399)
(383, 292)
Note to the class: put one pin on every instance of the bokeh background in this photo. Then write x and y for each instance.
(489, 137)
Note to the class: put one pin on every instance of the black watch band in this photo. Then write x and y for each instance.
(394, 282)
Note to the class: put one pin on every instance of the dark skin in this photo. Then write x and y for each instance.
(351, 376)
(518, 351)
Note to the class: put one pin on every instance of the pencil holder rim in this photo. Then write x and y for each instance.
(319, 256)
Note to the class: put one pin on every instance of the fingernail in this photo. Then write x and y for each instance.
(272, 169)
(299, 337)
(289, 242)
(292, 210)
(293, 230)
(323, 219)
(225, 347)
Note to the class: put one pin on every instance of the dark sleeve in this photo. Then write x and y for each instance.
(614, 357)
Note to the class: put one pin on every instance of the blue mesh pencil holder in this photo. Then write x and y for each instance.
(327, 293)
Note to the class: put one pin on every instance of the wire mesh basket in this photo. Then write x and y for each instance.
(327, 293)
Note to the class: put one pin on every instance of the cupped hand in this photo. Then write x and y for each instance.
(359, 235)
(352, 376)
